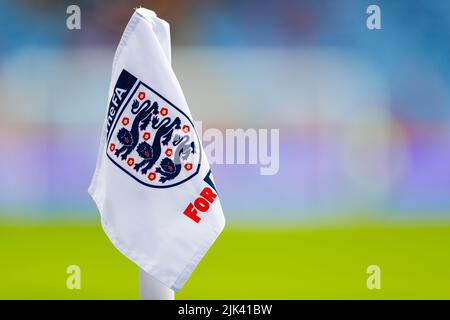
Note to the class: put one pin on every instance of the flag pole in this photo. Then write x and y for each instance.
(152, 289)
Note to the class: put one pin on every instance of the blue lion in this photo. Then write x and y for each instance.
(170, 169)
(130, 138)
(151, 153)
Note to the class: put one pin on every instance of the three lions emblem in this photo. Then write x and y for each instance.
(151, 139)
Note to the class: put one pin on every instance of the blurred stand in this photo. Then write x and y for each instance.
(363, 115)
(343, 152)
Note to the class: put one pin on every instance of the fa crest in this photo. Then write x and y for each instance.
(148, 137)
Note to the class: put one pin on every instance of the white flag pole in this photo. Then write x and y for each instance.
(152, 289)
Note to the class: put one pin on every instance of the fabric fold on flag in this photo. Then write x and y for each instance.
(153, 185)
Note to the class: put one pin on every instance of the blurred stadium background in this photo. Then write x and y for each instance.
(364, 119)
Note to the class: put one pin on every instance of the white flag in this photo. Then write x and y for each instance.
(153, 184)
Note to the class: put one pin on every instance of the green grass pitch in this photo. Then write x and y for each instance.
(244, 263)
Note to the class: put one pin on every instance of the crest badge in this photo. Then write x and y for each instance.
(151, 139)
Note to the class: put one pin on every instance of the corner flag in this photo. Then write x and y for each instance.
(153, 184)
